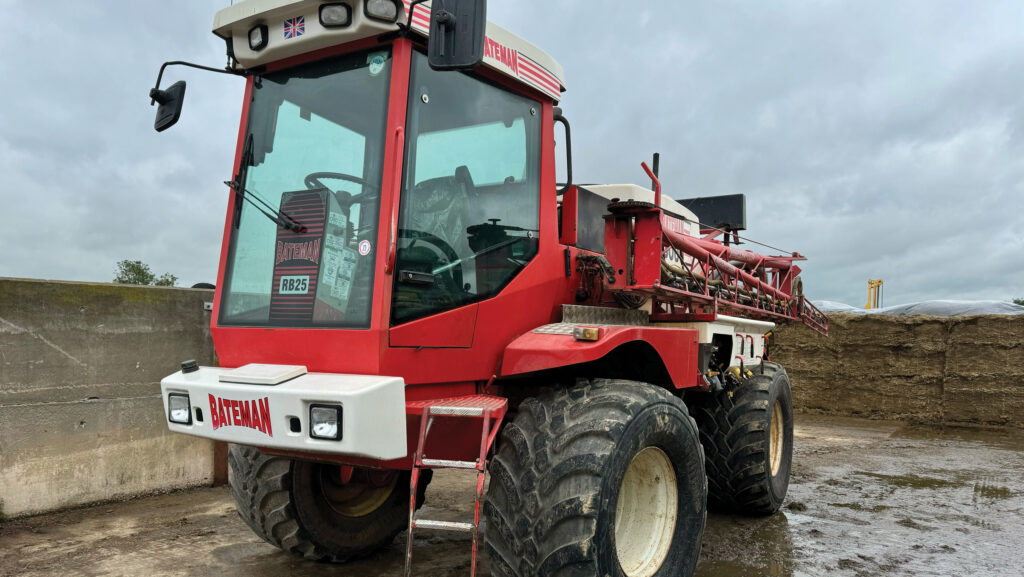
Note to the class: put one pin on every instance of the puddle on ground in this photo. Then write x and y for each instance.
(912, 481)
(861, 507)
(1012, 439)
(992, 491)
(736, 546)
(916, 502)
(734, 569)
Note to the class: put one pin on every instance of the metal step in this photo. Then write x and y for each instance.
(457, 411)
(446, 464)
(443, 525)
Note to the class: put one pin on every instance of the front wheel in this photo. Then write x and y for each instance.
(604, 479)
(319, 510)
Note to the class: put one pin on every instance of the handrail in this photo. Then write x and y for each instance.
(389, 266)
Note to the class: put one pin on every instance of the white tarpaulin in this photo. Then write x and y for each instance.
(934, 308)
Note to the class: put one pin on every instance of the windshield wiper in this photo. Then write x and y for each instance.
(279, 218)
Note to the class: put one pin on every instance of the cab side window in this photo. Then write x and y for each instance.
(469, 211)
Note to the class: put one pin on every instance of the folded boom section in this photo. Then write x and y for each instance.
(696, 278)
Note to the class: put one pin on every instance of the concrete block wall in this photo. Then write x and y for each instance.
(966, 370)
(81, 419)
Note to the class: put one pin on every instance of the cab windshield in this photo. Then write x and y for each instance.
(313, 151)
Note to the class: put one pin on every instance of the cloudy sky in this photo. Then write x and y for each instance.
(881, 139)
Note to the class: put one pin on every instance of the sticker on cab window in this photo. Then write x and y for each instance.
(339, 270)
(376, 62)
(337, 220)
(364, 247)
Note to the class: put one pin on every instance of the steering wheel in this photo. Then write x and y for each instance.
(344, 197)
(438, 243)
(313, 179)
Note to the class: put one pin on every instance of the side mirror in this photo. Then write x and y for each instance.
(170, 105)
(457, 31)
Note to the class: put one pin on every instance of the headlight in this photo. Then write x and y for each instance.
(386, 10)
(179, 409)
(325, 422)
(258, 37)
(335, 15)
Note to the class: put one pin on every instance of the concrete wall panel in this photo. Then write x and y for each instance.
(81, 419)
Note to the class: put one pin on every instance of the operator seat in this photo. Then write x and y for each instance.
(436, 211)
(441, 207)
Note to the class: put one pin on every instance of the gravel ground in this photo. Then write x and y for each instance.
(867, 498)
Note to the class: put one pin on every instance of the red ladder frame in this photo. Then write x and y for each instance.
(491, 410)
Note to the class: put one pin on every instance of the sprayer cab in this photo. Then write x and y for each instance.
(374, 186)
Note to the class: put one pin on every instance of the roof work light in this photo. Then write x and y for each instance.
(385, 10)
(335, 15)
(258, 37)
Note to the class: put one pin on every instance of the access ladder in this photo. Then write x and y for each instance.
(490, 410)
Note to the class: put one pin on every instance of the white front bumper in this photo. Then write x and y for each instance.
(373, 411)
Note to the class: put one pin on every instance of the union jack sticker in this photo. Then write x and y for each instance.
(294, 27)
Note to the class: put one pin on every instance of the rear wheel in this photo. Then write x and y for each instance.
(604, 479)
(319, 510)
(747, 433)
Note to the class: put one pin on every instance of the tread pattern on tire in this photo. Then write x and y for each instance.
(543, 503)
(262, 488)
(733, 426)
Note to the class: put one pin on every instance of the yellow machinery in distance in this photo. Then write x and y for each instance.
(874, 294)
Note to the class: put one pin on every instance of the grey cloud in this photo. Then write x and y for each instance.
(879, 139)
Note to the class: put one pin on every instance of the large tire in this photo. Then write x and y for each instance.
(557, 504)
(748, 472)
(295, 506)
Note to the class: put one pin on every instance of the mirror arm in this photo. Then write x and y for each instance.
(157, 95)
(568, 149)
(407, 27)
(444, 19)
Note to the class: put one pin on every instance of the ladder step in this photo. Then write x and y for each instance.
(446, 464)
(457, 411)
(443, 525)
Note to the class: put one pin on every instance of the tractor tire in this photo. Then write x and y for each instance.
(303, 508)
(747, 433)
(602, 479)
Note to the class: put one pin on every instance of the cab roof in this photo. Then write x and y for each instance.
(293, 28)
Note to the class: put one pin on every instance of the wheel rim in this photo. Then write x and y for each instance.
(776, 441)
(646, 513)
(361, 495)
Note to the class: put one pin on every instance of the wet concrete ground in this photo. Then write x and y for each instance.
(867, 499)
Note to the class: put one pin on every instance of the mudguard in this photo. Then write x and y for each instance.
(553, 346)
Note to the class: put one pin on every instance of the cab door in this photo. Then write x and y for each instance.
(469, 210)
